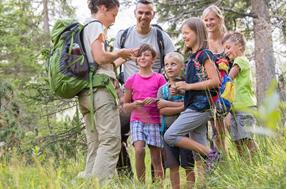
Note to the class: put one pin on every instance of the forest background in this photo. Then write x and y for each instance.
(38, 140)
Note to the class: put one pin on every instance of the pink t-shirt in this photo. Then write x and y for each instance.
(141, 88)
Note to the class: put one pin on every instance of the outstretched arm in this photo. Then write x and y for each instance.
(103, 57)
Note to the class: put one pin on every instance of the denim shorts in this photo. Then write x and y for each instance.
(149, 133)
(241, 123)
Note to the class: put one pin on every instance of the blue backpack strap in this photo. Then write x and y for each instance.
(165, 92)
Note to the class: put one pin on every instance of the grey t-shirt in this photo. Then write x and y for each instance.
(135, 40)
(168, 120)
(92, 32)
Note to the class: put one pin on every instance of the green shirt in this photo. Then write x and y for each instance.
(244, 93)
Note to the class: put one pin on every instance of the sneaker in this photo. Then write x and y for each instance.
(212, 158)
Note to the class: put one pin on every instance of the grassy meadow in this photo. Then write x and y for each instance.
(265, 171)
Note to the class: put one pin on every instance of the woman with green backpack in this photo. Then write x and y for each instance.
(102, 119)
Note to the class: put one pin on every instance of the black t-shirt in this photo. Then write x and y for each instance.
(198, 99)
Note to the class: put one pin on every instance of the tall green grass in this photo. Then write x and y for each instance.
(265, 170)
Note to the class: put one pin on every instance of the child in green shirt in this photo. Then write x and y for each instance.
(241, 122)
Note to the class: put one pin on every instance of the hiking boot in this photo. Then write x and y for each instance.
(212, 158)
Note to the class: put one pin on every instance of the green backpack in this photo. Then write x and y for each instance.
(69, 70)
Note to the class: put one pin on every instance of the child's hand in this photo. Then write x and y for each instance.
(161, 103)
(138, 103)
(172, 89)
(149, 100)
(181, 86)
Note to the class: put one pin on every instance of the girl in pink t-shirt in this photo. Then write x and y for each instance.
(140, 100)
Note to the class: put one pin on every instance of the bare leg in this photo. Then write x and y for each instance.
(252, 146)
(164, 169)
(246, 144)
(174, 178)
(191, 144)
(200, 172)
(190, 178)
(218, 125)
(140, 156)
(156, 159)
(239, 147)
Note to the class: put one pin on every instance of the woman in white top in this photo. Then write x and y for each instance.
(215, 26)
(103, 136)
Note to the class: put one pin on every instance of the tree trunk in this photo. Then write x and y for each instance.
(46, 16)
(264, 57)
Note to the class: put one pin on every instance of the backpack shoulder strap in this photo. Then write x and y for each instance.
(164, 91)
(123, 41)
(160, 43)
(197, 55)
(82, 46)
(124, 37)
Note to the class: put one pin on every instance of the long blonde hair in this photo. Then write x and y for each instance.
(219, 14)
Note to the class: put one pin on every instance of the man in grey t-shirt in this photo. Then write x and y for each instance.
(141, 33)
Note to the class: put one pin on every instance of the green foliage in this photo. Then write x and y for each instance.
(42, 151)
(10, 132)
(28, 107)
(265, 170)
(238, 15)
(20, 40)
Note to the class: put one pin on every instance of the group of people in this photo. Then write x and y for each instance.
(168, 112)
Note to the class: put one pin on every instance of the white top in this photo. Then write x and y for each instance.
(92, 32)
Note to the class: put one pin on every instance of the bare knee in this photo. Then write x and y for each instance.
(140, 151)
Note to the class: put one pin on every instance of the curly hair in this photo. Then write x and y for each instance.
(109, 4)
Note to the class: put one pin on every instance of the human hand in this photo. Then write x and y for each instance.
(161, 103)
(138, 103)
(172, 89)
(134, 54)
(181, 86)
(125, 53)
(149, 100)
